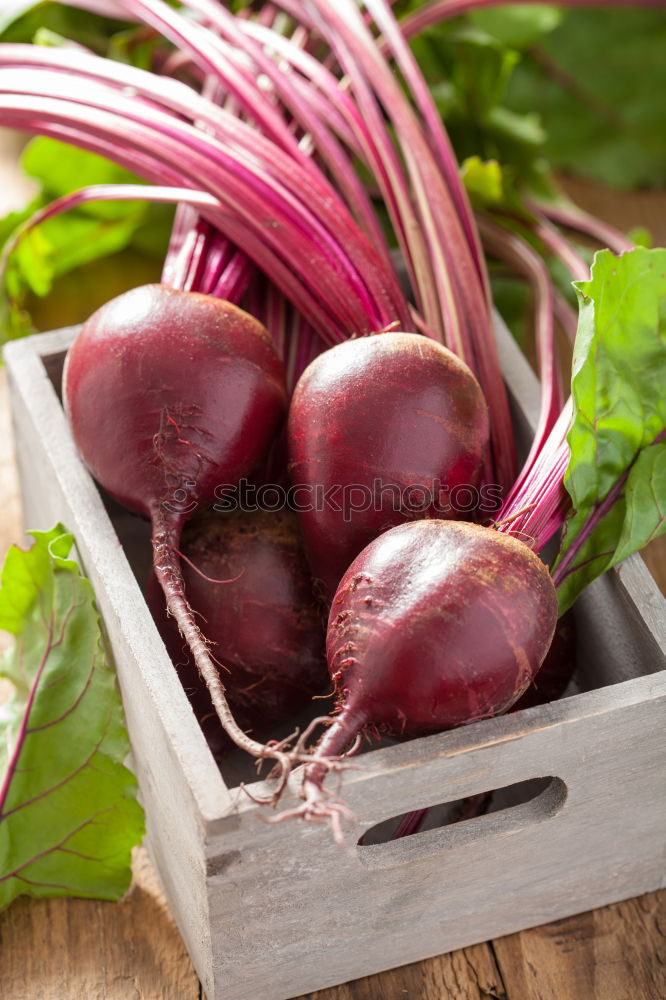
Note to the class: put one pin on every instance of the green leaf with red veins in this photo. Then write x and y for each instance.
(616, 476)
(69, 816)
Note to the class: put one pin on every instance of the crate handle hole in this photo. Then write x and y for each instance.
(497, 810)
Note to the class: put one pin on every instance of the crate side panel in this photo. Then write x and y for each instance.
(614, 641)
(401, 902)
(54, 488)
(51, 471)
(645, 596)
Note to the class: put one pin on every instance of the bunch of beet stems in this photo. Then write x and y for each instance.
(416, 173)
(290, 89)
(519, 252)
(274, 205)
(201, 259)
(377, 94)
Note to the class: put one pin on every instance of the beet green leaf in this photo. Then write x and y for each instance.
(616, 476)
(69, 816)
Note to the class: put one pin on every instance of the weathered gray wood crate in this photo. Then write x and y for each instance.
(271, 912)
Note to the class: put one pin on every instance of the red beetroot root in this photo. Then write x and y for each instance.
(263, 622)
(391, 418)
(434, 625)
(166, 391)
(169, 395)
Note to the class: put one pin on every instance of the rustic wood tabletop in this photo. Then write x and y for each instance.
(66, 949)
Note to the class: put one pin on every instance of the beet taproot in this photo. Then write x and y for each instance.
(171, 395)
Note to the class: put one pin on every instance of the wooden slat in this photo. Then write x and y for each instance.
(59, 949)
(62, 949)
(468, 974)
(616, 953)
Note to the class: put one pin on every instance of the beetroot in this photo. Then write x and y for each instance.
(435, 624)
(382, 429)
(169, 395)
(263, 621)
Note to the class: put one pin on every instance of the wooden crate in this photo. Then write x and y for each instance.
(271, 912)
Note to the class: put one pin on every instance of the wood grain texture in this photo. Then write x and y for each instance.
(59, 949)
(467, 974)
(616, 953)
(63, 949)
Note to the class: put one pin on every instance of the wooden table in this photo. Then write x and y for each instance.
(66, 948)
